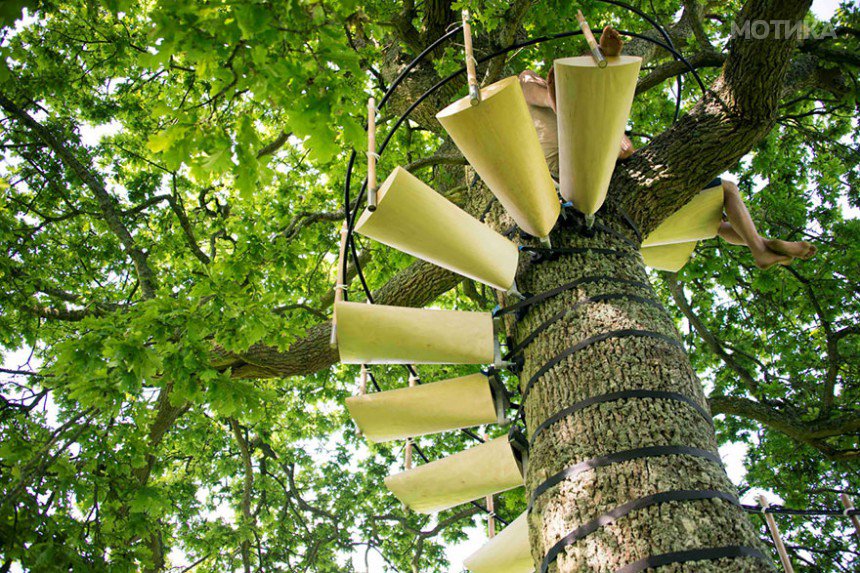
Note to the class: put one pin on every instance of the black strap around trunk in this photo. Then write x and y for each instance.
(566, 287)
(630, 223)
(561, 314)
(709, 554)
(625, 333)
(622, 510)
(620, 395)
(618, 457)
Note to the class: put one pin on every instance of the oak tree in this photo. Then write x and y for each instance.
(169, 213)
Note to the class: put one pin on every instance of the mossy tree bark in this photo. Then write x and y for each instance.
(613, 365)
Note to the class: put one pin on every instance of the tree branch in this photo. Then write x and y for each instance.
(247, 487)
(722, 127)
(434, 160)
(695, 16)
(274, 145)
(417, 285)
(831, 376)
(811, 433)
(107, 203)
(704, 59)
(677, 290)
(176, 206)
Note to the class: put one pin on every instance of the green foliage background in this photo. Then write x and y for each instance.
(194, 94)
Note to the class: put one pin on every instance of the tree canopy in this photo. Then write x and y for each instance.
(170, 205)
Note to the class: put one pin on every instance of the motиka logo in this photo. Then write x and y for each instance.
(782, 30)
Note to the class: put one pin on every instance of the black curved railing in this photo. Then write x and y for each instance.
(351, 214)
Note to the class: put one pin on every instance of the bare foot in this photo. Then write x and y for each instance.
(796, 249)
(627, 148)
(765, 257)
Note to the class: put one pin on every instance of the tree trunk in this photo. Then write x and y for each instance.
(620, 362)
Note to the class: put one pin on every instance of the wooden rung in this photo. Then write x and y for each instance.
(499, 140)
(415, 219)
(379, 334)
(488, 468)
(471, 72)
(339, 284)
(593, 107)
(428, 409)
(362, 385)
(507, 552)
(777, 538)
(371, 154)
(491, 516)
(593, 45)
(668, 257)
(697, 220)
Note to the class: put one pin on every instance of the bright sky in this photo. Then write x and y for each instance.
(732, 454)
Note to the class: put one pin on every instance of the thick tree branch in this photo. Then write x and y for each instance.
(705, 59)
(513, 20)
(438, 15)
(165, 416)
(107, 203)
(434, 160)
(406, 30)
(417, 285)
(739, 111)
(811, 433)
(693, 10)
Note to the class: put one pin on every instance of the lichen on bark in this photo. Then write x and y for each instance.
(608, 366)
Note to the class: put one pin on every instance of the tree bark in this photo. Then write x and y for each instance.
(612, 365)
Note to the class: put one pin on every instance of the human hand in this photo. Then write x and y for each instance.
(610, 42)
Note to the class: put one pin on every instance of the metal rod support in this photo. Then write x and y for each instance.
(339, 285)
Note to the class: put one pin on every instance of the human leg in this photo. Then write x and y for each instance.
(741, 230)
(535, 89)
